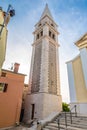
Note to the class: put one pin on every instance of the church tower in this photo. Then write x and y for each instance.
(44, 96)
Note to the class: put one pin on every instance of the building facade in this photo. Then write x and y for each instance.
(3, 38)
(44, 96)
(77, 75)
(4, 20)
(11, 90)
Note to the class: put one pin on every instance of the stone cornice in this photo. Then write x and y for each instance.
(82, 42)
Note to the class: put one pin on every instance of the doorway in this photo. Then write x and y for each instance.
(32, 111)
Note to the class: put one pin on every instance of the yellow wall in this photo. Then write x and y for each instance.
(81, 90)
(3, 39)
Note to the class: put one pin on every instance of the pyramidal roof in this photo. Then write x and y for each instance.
(46, 12)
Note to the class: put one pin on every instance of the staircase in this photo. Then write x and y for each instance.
(67, 121)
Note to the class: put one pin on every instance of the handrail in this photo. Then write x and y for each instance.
(60, 115)
(71, 112)
(58, 120)
(75, 110)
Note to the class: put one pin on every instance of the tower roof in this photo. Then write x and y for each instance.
(46, 12)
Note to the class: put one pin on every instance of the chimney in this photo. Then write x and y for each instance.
(16, 67)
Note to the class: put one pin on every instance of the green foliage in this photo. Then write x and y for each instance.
(65, 107)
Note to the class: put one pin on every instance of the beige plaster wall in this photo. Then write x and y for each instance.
(45, 104)
(81, 91)
(3, 40)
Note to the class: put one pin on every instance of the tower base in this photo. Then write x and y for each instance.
(41, 105)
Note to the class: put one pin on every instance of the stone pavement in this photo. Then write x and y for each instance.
(22, 128)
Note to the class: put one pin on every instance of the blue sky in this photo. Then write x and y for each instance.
(71, 17)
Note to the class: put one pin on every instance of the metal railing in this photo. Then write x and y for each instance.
(65, 115)
(74, 107)
(58, 120)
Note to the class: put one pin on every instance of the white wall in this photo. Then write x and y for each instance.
(71, 82)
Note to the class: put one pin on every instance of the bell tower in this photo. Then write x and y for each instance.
(44, 84)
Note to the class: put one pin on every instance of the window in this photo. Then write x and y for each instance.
(3, 87)
(41, 33)
(50, 33)
(39, 24)
(52, 25)
(37, 36)
(53, 36)
(3, 74)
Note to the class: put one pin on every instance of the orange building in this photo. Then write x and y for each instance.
(11, 90)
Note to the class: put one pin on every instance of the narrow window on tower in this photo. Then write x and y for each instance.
(39, 25)
(52, 25)
(53, 36)
(50, 33)
(41, 33)
(37, 36)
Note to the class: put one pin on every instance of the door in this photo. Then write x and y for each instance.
(32, 111)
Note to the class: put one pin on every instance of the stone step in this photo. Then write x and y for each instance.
(80, 117)
(78, 123)
(74, 120)
(45, 129)
(68, 117)
(51, 127)
(74, 124)
(62, 127)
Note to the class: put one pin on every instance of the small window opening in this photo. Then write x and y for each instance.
(39, 24)
(37, 36)
(41, 33)
(50, 33)
(3, 74)
(52, 25)
(53, 36)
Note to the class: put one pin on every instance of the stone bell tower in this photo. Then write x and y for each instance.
(44, 84)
